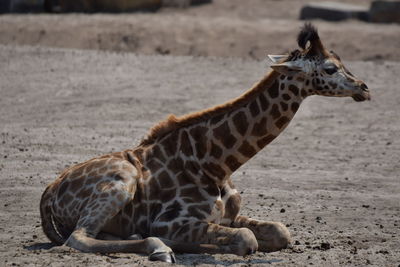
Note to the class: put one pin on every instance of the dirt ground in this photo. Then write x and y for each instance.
(332, 177)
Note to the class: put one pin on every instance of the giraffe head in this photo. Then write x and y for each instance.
(321, 70)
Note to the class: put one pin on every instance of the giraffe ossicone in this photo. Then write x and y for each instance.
(173, 192)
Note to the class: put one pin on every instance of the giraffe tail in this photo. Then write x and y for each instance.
(48, 223)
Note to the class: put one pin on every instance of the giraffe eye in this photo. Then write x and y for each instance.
(331, 70)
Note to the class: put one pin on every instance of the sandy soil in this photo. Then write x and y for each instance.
(332, 177)
(334, 171)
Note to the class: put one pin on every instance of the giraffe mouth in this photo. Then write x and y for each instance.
(360, 97)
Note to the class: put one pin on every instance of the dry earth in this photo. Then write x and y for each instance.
(332, 177)
(334, 171)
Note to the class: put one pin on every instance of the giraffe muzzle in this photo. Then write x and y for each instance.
(362, 94)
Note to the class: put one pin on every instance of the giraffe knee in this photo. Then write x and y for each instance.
(79, 241)
(280, 236)
(246, 242)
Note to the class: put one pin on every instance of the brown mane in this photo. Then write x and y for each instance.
(173, 123)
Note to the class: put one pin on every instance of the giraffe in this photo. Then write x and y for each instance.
(173, 192)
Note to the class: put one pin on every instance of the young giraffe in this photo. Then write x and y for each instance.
(174, 189)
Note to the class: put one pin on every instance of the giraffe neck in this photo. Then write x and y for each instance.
(236, 136)
(216, 142)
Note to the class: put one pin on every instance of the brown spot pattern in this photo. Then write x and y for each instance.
(192, 166)
(265, 140)
(157, 153)
(254, 109)
(263, 102)
(214, 169)
(240, 122)
(223, 134)
(286, 97)
(217, 119)
(294, 89)
(165, 180)
(192, 195)
(232, 163)
(303, 93)
(260, 128)
(63, 188)
(170, 143)
(172, 211)
(167, 195)
(216, 151)
(294, 106)
(282, 122)
(247, 150)
(186, 147)
(199, 135)
(275, 111)
(84, 193)
(175, 165)
(284, 106)
(273, 91)
(153, 165)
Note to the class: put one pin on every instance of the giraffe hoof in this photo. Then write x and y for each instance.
(163, 256)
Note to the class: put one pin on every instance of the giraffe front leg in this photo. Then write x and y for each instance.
(202, 237)
(151, 246)
(271, 236)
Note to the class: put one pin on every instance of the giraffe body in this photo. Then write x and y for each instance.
(174, 189)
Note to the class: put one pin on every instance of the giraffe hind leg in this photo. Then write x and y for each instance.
(97, 214)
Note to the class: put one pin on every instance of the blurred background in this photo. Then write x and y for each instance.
(357, 30)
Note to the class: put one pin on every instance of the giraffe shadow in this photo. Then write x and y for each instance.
(182, 259)
(40, 246)
(197, 259)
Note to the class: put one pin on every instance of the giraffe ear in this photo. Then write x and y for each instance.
(277, 58)
(287, 68)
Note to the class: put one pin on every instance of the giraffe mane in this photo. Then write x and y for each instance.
(309, 33)
(173, 122)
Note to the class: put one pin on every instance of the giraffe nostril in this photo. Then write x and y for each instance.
(364, 87)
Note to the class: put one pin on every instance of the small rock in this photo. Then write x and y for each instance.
(382, 251)
(283, 210)
(325, 246)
